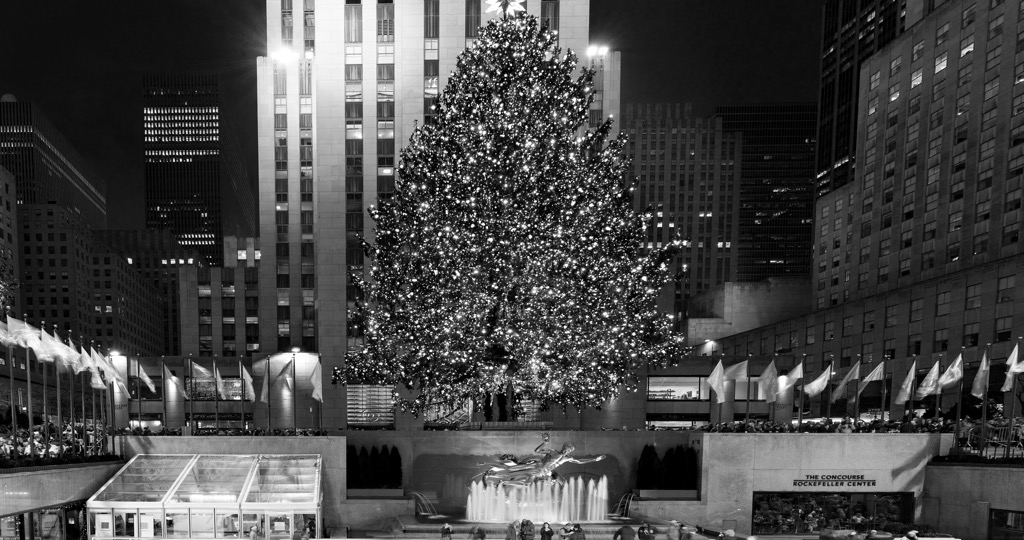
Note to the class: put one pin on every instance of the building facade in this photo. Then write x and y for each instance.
(334, 109)
(196, 184)
(687, 170)
(918, 258)
(852, 30)
(776, 217)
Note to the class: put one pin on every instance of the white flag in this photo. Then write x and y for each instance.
(221, 392)
(717, 382)
(250, 391)
(6, 339)
(1013, 367)
(908, 385)
(175, 381)
(738, 371)
(877, 374)
(930, 384)
(24, 334)
(317, 383)
(953, 373)
(980, 386)
(819, 385)
(199, 371)
(286, 372)
(768, 383)
(796, 373)
(851, 375)
(265, 391)
(144, 377)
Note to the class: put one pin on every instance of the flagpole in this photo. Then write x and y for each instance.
(46, 400)
(1013, 408)
(14, 413)
(241, 378)
(856, 398)
(885, 403)
(913, 384)
(320, 404)
(938, 393)
(983, 443)
(803, 384)
(192, 424)
(746, 417)
(270, 417)
(295, 403)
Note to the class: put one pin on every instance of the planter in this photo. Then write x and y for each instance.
(667, 494)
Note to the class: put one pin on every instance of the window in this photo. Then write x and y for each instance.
(894, 92)
(918, 51)
(1011, 234)
(916, 77)
(1004, 328)
(995, 27)
(472, 18)
(809, 337)
(549, 14)
(1005, 289)
(980, 243)
(955, 221)
(953, 251)
(991, 89)
(966, 45)
(971, 335)
(904, 267)
(678, 388)
(830, 330)
(353, 23)
(872, 106)
(431, 18)
(914, 344)
(875, 78)
(941, 33)
(869, 321)
(940, 62)
(941, 343)
(894, 66)
(969, 15)
(942, 303)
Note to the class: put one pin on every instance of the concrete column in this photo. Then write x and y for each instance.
(783, 407)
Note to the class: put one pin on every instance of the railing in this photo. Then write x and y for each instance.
(991, 441)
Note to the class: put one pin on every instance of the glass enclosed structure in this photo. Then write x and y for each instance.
(260, 497)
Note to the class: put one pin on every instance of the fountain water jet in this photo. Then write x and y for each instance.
(577, 500)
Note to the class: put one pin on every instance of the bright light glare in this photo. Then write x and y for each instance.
(601, 51)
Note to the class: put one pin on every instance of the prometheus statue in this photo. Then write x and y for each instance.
(515, 473)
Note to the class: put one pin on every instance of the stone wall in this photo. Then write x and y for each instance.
(957, 499)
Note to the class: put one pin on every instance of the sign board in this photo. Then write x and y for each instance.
(837, 480)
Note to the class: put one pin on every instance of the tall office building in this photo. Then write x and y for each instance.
(852, 30)
(688, 170)
(334, 108)
(776, 229)
(196, 184)
(918, 258)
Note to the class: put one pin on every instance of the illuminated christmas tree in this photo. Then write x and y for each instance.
(509, 255)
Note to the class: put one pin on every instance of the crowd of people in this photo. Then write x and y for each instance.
(232, 432)
(51, 441)
(845, 425)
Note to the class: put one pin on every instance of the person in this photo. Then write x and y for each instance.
(477, 533)
(446, 532)
(728, 534)
(526, 530)
(674, 530)
(546, 532)
(911, 535)
(512, 533)
(645, 532)
(577, 533)
(566, 531)
(624, 533)
(252, 533)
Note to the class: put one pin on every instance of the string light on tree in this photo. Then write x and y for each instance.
(506, 7)
(509, 255)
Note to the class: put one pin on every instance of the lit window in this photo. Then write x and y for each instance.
(940, 62)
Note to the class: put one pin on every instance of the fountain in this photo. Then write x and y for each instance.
(578, 499)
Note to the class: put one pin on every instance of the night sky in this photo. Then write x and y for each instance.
(82, 62)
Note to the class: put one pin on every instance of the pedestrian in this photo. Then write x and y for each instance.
(566, 531)
(624, 533)
(526, 530)
(645, 532)
(512, 533)
(546, 532)
(577, 533)
(674, 530)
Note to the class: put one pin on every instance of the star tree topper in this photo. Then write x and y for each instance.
(507, 7)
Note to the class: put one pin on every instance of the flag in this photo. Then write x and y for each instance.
(818, 385)
(286, 372)
(24, 334)
(265, 391)
(953, 373)
(907, 387)
(250, 392)
(851, 375)
(738, 371)
(84, 362)
(47, 348)
(930, 384)
(317, 383)
(6, 339)
(95, 381)
(796, 373)
(103, 365)
(144, 377)
(1013, 367)
(877, 374)
(717, 382)
(768, 382)
(199, 371)
(980, 386)
(68, 356)
(175, 381)
(220, 382)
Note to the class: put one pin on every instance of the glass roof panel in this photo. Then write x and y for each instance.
(146, 479)
(286, 479)
(213, 478)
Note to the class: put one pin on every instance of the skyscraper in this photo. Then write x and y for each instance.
(196, 185)
(687, 169)
(334, 109)
(776, 225)
(852, 30)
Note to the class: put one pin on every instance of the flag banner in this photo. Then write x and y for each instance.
(768, 382)
(84, 362)
(175, 381)
(24, 334)
(265, 391)
(199, 372)
(717, 382)
(6, 339)
(250, 391)
(106, 369)
(930, 384)
(796, 373)
(221, 392)
(1013, 367)
(907, 388)
(877, 374)
(738, 371)
(315, 378)
(144, 377)
(953, 373)
(47, 348)
(286, 372)
(819, 385)
(980, 386)
(851, 375)
(68, 356)
(95, 381)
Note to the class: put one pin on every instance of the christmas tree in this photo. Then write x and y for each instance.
(509, 255)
